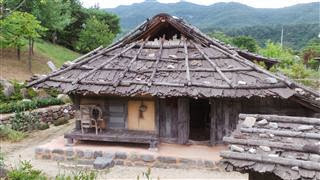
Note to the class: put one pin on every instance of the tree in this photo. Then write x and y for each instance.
(221, 37)
(245, 42)
(94, 34)
(311, 51)
(53, 14)
(17, 27)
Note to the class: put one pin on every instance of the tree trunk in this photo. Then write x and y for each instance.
(19, 52)
(30, 55)
(32, 45)
(54, 37)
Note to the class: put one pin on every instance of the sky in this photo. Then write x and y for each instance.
(253, 3)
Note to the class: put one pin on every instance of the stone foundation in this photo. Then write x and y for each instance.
(47, 114)
(87, 157)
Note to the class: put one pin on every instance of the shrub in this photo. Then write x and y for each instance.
(78, 175)
(25, 171)
(28, 105)
(6, 133)
(43, 126)
(60, 121)
(52, 92)
(24, 122)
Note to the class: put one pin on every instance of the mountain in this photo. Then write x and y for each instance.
(222, 15)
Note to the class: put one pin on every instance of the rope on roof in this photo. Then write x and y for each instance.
(157, 61)
(186, 60)
(116, 83)
(103, 64)
(214, 65)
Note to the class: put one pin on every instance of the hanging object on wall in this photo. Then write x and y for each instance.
(142, 109)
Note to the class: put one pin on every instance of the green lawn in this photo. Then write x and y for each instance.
(58, 54)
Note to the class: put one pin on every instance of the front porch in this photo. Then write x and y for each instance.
(114, 135)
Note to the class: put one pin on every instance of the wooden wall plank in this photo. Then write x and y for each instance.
(183, 120)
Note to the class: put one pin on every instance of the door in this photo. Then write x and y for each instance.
(141, 115)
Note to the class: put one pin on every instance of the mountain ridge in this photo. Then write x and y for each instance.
(222, 14)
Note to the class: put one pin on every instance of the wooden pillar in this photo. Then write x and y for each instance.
(157, 118)
(213, 123)
(76, 106)
(183, 120)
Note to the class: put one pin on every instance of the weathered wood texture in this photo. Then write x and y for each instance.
(168, 117)
(224, 113)
(183, 120)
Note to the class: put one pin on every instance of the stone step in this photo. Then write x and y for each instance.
(105, 161)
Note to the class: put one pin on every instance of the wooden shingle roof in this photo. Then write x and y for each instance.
(286, 146)
(165, 56)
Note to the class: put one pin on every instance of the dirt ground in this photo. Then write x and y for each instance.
(24, 150)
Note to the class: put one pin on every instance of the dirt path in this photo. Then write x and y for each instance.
(24, 150)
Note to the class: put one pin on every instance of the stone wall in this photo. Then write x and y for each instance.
(47, 114)
(87, 157)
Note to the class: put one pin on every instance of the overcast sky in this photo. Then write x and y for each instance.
(253, 3)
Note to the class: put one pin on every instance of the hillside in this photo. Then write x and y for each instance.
(13, 69)
(224, 15)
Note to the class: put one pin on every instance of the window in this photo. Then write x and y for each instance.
(117, 114)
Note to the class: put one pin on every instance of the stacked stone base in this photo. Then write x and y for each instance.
(87, 157)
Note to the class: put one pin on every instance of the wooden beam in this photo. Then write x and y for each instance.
(75, 64)
(284, 119)
(259, 142)
(104, 63)
(284, 133)
(186, 61)
(157, 61)
(116, 83)
(214, 65)
(273, 160)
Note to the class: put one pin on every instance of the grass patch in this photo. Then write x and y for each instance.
(57, 54)
(6, 133)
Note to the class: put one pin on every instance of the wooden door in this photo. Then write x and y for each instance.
(183, 120)
(141, 120)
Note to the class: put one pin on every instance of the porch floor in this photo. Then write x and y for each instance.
(180, 151)
(113, 136)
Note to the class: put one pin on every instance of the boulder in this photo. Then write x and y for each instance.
(249, 122)
(263, 122)
(103, 162)
(63, 97)
(8, 88)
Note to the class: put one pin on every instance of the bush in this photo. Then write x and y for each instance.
(24, 122)
(78, 175)
(6, 133)
(28, 105)
(25, 171)
(43, 126)
(60, 121)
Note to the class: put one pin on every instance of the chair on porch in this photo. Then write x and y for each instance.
(91, 117)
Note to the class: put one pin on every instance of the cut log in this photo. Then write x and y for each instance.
(284, 119)
(274, 160)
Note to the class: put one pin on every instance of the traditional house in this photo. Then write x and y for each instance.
(167, 81)
(272, 147)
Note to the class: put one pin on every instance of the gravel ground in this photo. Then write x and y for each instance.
(24, 150)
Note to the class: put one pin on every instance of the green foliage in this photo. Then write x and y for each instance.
(1, 160)
(221, 37)
(24, 122)
(60, 121)
(19, 26)
(28, 105)
(43, 126)
(94, 34)
(6, 133)
(78, 175)
(274, 50)
(25, 171)
(53, 14)
(245, 42)
(146, 174)
(311, 51)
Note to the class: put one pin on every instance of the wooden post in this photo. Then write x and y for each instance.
(213, 123)
(183, 120)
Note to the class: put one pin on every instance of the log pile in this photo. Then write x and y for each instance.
(286, 146)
